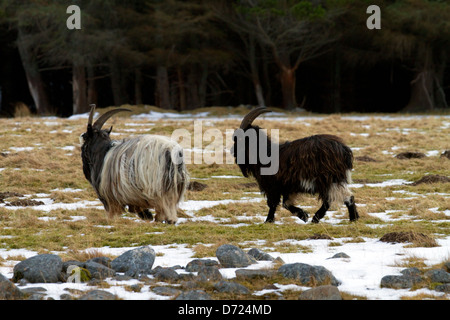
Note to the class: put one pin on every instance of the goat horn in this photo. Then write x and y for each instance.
(91, 114)
(252, 115)
(104, 117)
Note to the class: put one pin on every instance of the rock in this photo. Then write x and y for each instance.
(406, 280)
(135, 262)
(254, 274)
(194, 295)
(411, 272)
(447, 266)
(102, 260)
(260, 255)
(231, 287)
(98, 295)
(233, 257)
(196, 264)
(166, 291)
(209, 273)
(307, 274)
(8, 290)
(438, 275)
(340, 255)
(43, 268)
(33, 290)
(326, 292)
(166, 274)
(443, 288)
(99, 271)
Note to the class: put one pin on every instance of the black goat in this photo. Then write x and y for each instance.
(319, 164)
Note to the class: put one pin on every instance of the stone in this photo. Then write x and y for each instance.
(166, 274)
(102, 260)
(326, 292)
(166, 291)
(135, 262)
(254, 274)
(260, 255)
(443, 288)
(194, 295)
(233, 257)
(307, 274)
(231, 287)
(399, 282)
(447, 266)
(43, 268)
(209, 273)
(340, 255)
(411, 272)
(438, 275)
(98, 295)
(8, 290)
(196, 264)
(99, 271)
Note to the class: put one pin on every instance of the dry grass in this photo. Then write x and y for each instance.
(50, 162)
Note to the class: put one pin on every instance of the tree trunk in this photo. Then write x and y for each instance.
(117, 82)
(202, 85)
(92, 96)
(162, 88)
(182, 90)
(34, 79)
(287, 79)
(80, 104)
(138, 86)
(254, 72)
(422, 87)
(337, 82)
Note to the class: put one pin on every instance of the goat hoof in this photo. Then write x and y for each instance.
(145, 215)
(269, 221)
(303, 216)
(315, 220)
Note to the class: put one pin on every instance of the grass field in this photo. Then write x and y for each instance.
(46, 205)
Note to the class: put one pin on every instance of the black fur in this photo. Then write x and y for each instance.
(96, 144)
(309, 165)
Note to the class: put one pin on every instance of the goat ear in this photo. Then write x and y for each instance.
(109, 131)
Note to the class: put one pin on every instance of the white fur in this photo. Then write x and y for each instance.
(135, 172)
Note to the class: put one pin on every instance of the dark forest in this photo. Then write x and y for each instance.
(317, 55)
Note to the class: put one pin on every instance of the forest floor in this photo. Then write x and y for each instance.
(47, 206)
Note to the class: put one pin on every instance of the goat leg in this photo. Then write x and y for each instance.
(299, 212)
(351, 206)
(145, 215)
(270, 216)
(321, 212)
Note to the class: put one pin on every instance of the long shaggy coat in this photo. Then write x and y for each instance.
(145, 172)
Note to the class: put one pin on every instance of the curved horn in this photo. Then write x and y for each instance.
(252, 115)
(101, 121)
